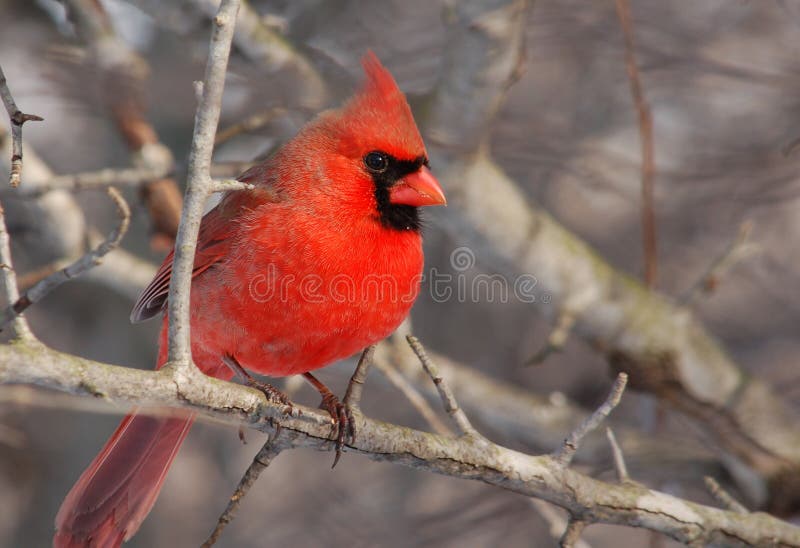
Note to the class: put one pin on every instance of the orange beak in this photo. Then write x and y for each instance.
(417, 189)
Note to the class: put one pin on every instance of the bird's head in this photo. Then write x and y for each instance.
(368, 156)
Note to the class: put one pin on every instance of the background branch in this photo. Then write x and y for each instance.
(649, 243)
(91, 259)
(121, 77)
(663, 347)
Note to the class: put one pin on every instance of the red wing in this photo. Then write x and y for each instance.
(213, 244)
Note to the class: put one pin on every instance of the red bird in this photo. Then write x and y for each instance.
(321, 260)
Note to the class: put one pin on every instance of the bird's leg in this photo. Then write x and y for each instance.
(273, 394)
(343, 423)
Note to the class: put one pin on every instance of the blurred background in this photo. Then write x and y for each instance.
(723, 82)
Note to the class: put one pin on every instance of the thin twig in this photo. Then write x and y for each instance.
(648, 149)
(556, 522)
(557, 338)
(448, 399)
(572, 533)
(737, 250)
(355, 387)
(723, 497)
(251, 123)
(263, 458)
(199, 181)
(416, 399)
(229, 170)
(619, 458)
(93, 180)
(9, 278)
(26, 280)
(224, 185)
(17, 118)
(91, 259)
(564, 455)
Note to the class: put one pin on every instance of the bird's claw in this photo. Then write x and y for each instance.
(344, 425)
(274, 395)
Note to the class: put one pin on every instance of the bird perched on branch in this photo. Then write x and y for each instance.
(321, 260)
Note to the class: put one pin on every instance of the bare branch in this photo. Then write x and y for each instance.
(263, 458)
(9, 277)
(251, 123)
(122, 272)
(91, 259)
(619, 458)
(572, 534)
(648, 149)
(539, 421)
(738, 249)
(412, 395)
(557, 338)
(16, 117)
(94, 180)
(355, 387)
(536, 476)
(564, 455)
(229, 170)
(556, 522)
(199, 182)
(225, 185)
(448, 399)
(723, 497)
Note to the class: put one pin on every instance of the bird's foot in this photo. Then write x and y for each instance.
(272, 394)
(344, 425)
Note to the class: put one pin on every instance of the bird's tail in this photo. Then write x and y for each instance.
(115, 493)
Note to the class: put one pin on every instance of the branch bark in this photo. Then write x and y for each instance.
(199, 184)
(16, 118)
(462, 457)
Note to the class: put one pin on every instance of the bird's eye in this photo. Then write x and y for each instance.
(376, 161)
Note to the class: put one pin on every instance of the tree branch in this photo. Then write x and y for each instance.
(16, 117)
(649, 244)
(619, 457)
(448, 399)
(413, 396)
(271, 449)
(663, 348)
(9, 278)
(537, 476)
(572, 443)
(199, 182)
(572, 534)
(356, 385)
(91, 259)
(93, 180)
(723, 497)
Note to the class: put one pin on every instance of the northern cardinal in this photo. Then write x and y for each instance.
(321, 260)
